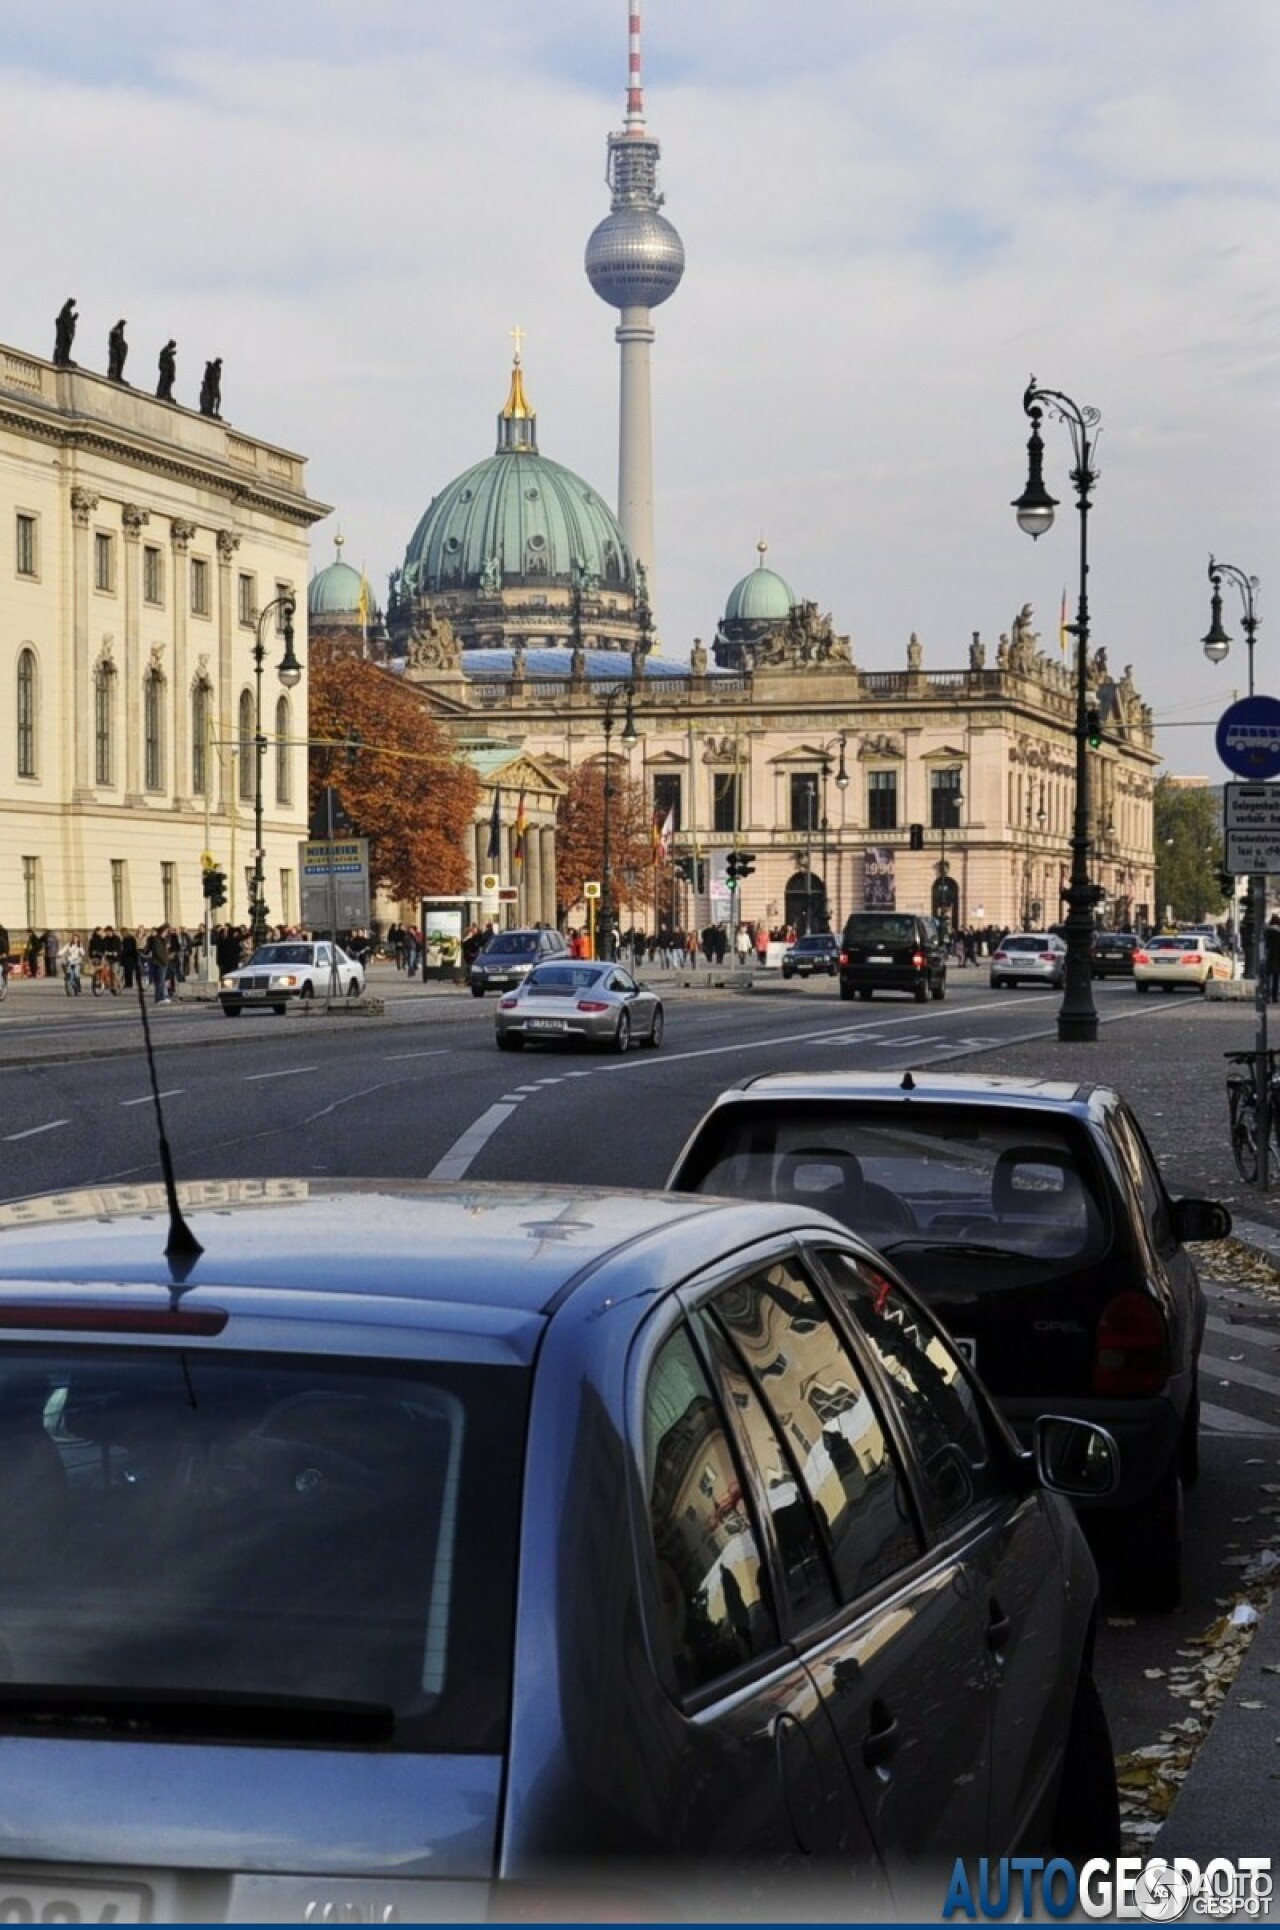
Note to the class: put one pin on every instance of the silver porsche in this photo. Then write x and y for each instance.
(579, 1000)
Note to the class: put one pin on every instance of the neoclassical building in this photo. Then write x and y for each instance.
(139, 540)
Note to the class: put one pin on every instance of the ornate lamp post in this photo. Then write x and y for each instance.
(289, 671)
(949, 800)
(842, 785)
(625, 694)
(1077, 1016)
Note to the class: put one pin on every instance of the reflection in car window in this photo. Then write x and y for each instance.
(1144, 1177)
(815, 1393)
(961, 1465)
(512, 941)
(710, 1576)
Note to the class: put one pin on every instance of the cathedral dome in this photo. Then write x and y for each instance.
(762, 596)
(516, 519)
(338, 591)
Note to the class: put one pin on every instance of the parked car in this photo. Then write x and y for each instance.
(1111, 954)
(337, 1560)
(510, 956)
(287, 970)
(892, 951)
(1170, 959)
(1033, 1219)
(1022, 955)
(578, 1001)
(816, 952)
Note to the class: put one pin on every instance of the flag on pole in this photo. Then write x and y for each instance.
(667, 833)
(362, 610)
(519, 829)
(1062, 623)
(495, 828)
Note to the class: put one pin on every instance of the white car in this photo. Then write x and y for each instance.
(291, 968)
(1180, 958)
(1036, 955)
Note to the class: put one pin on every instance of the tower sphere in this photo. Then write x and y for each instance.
(634, 259)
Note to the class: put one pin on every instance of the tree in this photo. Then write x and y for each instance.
(401, 784)
(1188, 835)
(580, 836)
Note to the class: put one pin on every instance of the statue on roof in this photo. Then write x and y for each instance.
(168, 371)
(1023, 641)
(433, 644)
(117, 351)
(491, 576)
(64, 334)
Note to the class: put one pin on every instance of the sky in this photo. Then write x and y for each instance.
(894, 214)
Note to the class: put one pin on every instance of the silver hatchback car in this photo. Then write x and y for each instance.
(548, 1544)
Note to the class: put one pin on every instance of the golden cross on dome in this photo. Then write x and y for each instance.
(517, 336)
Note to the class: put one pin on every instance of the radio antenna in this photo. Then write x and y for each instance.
(182, 1249)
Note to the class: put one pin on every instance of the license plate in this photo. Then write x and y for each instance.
(254, 992)
(24, 1902)
(545, 1025)
(965, 1344)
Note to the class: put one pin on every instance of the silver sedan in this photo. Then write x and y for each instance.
(578, 999)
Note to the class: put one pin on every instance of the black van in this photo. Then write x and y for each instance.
(892, 951)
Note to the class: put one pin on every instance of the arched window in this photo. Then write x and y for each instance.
(104, 724)
(246, 745)
(284, 754)
(200, 738)
(26, 713)
(153, 731)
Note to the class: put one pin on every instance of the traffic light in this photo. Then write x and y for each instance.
(916, 837)
(684, 870)
(732, 865)
(214, 885)
(746, 863)
(1226, 883)
(1093, 728)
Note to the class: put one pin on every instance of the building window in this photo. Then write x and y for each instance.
(104, 562)
(104, 717)
(200, 739)
(944, 800)
(246, 602)
(152, 574)
(168, 891)
(286, 897)
(882, 800)
(31, 893)
(804, 801)
(724, 800)
(119, 893)
(666, 800)
(199, 586)
(26, 713)
(245, 745)
(153, 731)
(25, 546)
(284, 753)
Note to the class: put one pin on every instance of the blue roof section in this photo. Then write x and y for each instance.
(601, 666)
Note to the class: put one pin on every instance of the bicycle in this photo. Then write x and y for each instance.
(1242, 1106)
(4, 977)
(107, 977)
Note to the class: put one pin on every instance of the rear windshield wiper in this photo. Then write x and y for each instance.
(149, 1713)
(957, 1249)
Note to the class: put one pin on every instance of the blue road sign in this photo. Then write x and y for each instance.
(1248, 737)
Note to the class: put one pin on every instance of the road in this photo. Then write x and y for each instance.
(424, 1092)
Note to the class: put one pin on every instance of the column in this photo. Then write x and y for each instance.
(533, 909)
(83, 504)
(180, 535)
(134, 521)
(547, 840)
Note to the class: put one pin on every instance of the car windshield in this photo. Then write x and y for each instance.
(814, 944)
(1022, 1183)
(256, 1540)
(880, 930)
(283, 955)
(512, 941)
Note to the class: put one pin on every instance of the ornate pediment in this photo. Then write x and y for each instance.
(881, 744)
(805, 638)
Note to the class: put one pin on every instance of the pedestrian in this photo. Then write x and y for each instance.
(52, 947)
(744, 947)
(762, 944)
(129, 958)
(160, 956)
(33, 953)
(71, 959)
(1271, 956)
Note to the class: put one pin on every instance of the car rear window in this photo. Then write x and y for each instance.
(1027, 1184)
(512, 941)
(880, 930)
(249, 1546)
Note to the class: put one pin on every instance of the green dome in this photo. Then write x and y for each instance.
(761, 597)
(336, 591)
(516, 519)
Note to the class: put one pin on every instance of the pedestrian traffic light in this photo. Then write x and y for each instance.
(916, 837)
(215, 886)
(746, 863)
(1093, 728)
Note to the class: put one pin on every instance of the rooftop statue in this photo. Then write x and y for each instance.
(65, 333)
(117, 352)
(168, 371)
(211, 388)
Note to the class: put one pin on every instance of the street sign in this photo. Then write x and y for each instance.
(335, 883)
(1248, 737)
(591, 889)
(1251, 819)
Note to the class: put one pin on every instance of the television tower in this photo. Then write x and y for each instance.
(634, 261)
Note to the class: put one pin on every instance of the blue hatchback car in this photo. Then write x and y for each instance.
(430, 1552)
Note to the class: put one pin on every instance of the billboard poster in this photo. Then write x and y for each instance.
(335, 884)
(441, 939)
(879, 881)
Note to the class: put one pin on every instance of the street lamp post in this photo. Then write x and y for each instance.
(1077, 1015)
(842, 785)
(949, 800)
(289, 672)
(810, 799)
(623, 693)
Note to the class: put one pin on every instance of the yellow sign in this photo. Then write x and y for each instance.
(591, 890)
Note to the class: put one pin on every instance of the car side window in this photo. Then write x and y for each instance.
(960, 1458)
(711, 1577)
(1144, 1176)
(817, 1397)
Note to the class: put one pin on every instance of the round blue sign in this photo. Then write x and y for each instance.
(1248, 737)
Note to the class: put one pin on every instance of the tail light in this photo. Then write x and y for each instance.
(508, 1004)
(918, 960)
(1141, 958)
(1193, 958)
(1131, 1346)
(844, 958)
(1001, 958)
(593, 1005)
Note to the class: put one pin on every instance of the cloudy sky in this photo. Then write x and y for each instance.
(894, 212)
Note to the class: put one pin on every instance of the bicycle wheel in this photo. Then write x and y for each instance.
(1244, 1131)
(97, 984)
(4, 982)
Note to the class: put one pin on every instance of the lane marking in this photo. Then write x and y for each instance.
(172, 1093)
(1238, 1330)
(437, 1052)
(1239, 1375)
(460, 1155)
(1222, 1420)
(289, 1072)
(31, 1131)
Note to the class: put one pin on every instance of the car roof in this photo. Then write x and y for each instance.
(925, 1088)
(485, 1257)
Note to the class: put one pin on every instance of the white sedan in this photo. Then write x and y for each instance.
(1180, 958)
(292, 968)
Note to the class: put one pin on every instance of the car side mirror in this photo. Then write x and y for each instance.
(1075, 1458)
(1201, 1220)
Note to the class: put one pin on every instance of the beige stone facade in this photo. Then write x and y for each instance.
(138, 541)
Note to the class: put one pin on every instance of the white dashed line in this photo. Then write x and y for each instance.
(172, 1093)
(456, 1161)
(288, 1072)
(31, 1131)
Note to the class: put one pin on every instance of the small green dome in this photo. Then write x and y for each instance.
(337, 591)
(762, 596)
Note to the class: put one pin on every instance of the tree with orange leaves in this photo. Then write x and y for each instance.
(401, 784)
(580, 837)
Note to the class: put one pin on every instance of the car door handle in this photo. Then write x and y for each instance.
(881, 1742)
(999, 1627)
